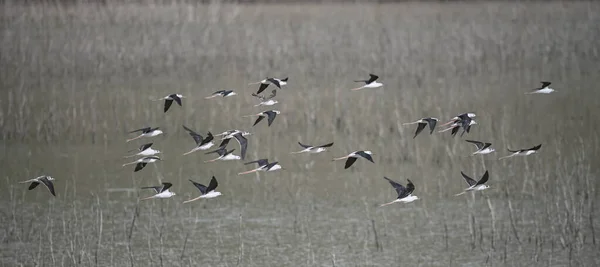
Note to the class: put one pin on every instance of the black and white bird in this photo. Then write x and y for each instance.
(351, 158)
(45, 179)
(146, 132)
(461, 117)
(313, 149)
(144, 150)
(266, 100)
(465, 124)
(263, 165)
(230, 133)
(162, 191)
(141, 163)
(422, 123)
(544, 89)
(223, 154)
(475, 185)
(169, 100)
(242, 141)
(222, 93)
(265, 83)
(523, 152)
(482, 148)
(269, 114)
(206, 192)
(201, 143)
(370, 83)
(404, 193)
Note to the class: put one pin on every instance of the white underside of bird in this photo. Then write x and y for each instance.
(267, 103)
(211, 194)
(202, 147)
(474, 188)
(407, 199)
(163, 194)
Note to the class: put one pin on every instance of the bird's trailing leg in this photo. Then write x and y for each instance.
(340, 158)
(460, 193)
(188, 201)
(146, 198)
(129, 163)
(139, 136)
(247, 172)
(509, 156)
(357, 88)
(212, 96)
(409, 123)
(212, 160)
(190, 152)
(389, 203)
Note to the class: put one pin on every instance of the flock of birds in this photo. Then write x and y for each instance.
(149, 155)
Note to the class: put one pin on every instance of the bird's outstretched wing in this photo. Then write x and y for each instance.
(468, 179)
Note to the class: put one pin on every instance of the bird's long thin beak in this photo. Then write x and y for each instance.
(340, 158)
(255, 170)
(128, 140)
(188, 201)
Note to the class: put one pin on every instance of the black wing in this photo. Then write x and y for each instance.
(545, 84)
(200, 187)
(271, 116)
(535, 147)
(327, 145)
(514, 151)
(261, 162)
(177, 99)
(468, 179)
(140, 166)
(156, 188)
(243, 144)
(33, 185)
(209, 137)
(478, 144)
(486, 145)
(212, 185)
(224, 143)
(219, 93)
(365, 155)
(145, 146)
(420, 128)
(400, 189)
(455, 130)
(168, 104)
(196, 136)
(372, 79)
(262, 87)
(432, 124)
(165, 186)
(259, 97)
(48, 184)
(220, 150)
(260, 118)
(304, 146)
(349, 162)
(484, 178)
(145, 129)
(275, 82)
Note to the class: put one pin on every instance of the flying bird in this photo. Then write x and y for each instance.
(404, 193)
(465, 124)
(223, 155)
(141, 163)
(523, 152)
(201, 143)
(475, 185)
(162, 191)
(206, 192)
(240, 139)
(270, 114)
(146, 132)
(144, 150)
(351, 158)
(45, 179)
(370, 83)
(265, 83)
(313, 149)
(482, 148)
(263, 165)
(461, 117)
(230, 133)
(544, 89)
(169, 100)
(422, 123)
(266, 100)
(222, 93)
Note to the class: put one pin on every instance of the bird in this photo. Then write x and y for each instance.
(523, 152)
(44, 179)
(482, 148)
(230, 133)
(270, 114)
(240, 139)
(146, 132)
(351, 158)
(404, 193)
(144, 150)
(223, 155)
(460, 118)
(544, 89)
(313, 149)
(263, 165)
(141, 163)
(266, 100)
(370, 83)
(169, 100)
(201, 143)
(206, 192)
(422, 123)
(466, 124)
(265, 83)
(162, 191)
(475, 185)
(223, 93)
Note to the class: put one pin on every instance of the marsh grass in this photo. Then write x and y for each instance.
(75, 78)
